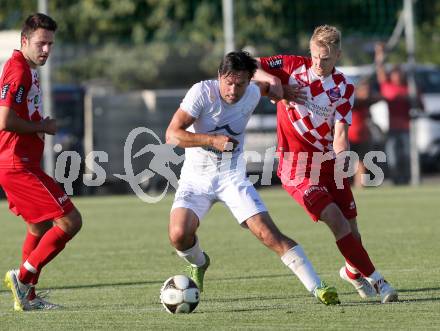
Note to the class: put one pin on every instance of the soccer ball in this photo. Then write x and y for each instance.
(179, 294)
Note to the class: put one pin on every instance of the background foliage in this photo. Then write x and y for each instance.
(172, 43)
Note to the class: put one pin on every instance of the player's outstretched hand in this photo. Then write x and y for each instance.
(275, 92)
(224, 143)
(49, 125)
(292, 94)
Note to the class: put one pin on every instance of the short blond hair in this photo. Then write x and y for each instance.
(327, 36)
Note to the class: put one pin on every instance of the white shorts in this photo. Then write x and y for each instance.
(199, 193)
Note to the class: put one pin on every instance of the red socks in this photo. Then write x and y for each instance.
(52, 242)
(29, 244)
(355, 254)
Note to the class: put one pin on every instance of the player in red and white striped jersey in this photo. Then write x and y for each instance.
(310, 137)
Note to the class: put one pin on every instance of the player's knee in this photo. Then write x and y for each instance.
(336, 221)
(71, 223)
(39, 229)
(179, 238)
(76, 221)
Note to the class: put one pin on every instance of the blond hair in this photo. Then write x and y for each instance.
(327, 36)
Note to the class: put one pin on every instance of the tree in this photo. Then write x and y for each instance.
(170, 43)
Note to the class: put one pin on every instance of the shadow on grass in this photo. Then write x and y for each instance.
(154, 282)
(84, 286)
(377, 302)
(423, 289)
(253, 298)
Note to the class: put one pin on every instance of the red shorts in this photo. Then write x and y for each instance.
(34, 195)
(314, 198)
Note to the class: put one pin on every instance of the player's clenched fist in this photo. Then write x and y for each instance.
(224, 143)
(293, 94)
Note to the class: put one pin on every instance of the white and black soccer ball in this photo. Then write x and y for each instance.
(179, 294)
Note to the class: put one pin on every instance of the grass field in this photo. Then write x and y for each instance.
(110, 275)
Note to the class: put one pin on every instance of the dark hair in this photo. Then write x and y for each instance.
(237, 61)
(35, 22)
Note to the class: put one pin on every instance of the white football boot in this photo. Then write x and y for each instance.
(386, 292)
(362, 286)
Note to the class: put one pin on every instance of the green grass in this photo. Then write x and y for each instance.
(110, 275)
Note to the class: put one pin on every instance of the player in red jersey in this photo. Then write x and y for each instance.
(312, 145)
(50, 216)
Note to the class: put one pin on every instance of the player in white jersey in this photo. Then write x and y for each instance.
(210, 124)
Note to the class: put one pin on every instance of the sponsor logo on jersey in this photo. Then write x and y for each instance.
(334, 94)
(275, 64)
(4, 91)
(318, 110)
(19, 94)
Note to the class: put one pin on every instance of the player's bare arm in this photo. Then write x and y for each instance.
(9, 121)
(277, 91)
(340, 142)
(275, 87)
(264, 87)
(176, 134)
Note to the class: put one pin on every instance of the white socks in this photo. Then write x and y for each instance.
(296, 260)
(194, 255)
(374, 277)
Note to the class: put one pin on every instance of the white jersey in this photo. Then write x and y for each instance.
(214, 116)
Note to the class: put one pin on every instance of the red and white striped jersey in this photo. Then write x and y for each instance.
(310, 127)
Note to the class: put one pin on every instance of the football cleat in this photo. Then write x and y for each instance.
(386, 292)
(19, 290)
(327, 294)
(197, 274)
(38, 303)
(361, 285)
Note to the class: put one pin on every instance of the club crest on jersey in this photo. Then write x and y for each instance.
(334, 94)
(19, 94)
(276, 63)
(4, 91)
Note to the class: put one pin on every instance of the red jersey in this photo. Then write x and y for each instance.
(310, 127)
(397, 98)
(20, 91)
